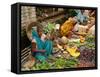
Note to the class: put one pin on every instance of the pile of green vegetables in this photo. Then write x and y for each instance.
(58, 63)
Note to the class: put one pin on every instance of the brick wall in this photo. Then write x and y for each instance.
(28, 15)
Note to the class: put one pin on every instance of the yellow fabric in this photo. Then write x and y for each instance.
(67, 26)
(73, 51)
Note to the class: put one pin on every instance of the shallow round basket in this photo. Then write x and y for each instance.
(29, 29)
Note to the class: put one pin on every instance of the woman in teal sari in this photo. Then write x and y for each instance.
(45, 45)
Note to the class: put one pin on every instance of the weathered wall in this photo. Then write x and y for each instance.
(28, 15)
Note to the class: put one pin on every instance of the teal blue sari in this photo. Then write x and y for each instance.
(41, 45)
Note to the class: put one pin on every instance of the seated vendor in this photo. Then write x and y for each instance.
(43, 46)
